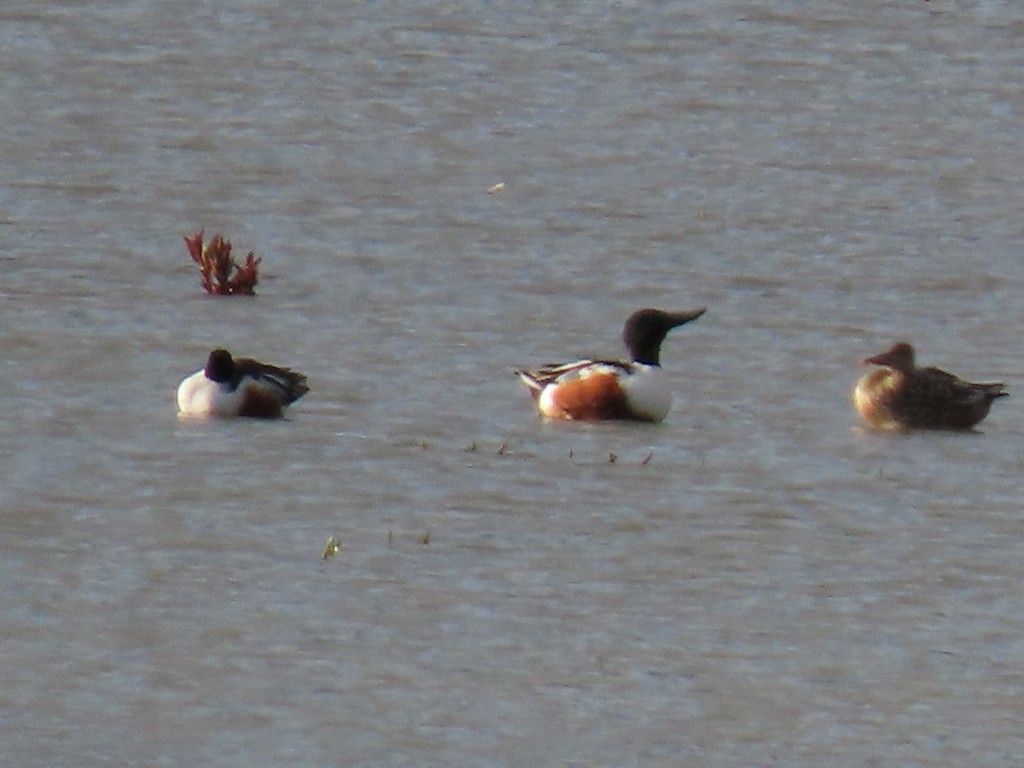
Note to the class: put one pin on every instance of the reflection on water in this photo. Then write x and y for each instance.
(755, 581)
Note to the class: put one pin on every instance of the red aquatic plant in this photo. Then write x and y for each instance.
(221, 274)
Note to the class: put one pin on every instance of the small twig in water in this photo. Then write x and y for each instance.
(333, 545)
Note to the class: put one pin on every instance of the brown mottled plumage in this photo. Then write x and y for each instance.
(899, 395)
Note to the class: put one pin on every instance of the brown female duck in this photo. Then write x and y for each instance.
(899, 395)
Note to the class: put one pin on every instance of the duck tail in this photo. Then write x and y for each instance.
(532, 383)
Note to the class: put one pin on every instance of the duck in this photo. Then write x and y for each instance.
(636, 389)
(228, 387)
(899, 396)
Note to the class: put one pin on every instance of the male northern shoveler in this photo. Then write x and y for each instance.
(227, 387)
(613, 389)
(899, 395)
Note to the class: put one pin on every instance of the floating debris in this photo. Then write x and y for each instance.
(332, 548)
(425, 538)
(612, 458)
(495, 188)
(221, 274)
(647, 459)
(471, 447)
(502, 448)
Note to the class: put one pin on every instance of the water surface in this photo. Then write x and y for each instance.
(757, 581)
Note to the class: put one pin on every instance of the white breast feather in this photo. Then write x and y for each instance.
(198, 396)
(648, 391)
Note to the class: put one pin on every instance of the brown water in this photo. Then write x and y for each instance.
(755, 582)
